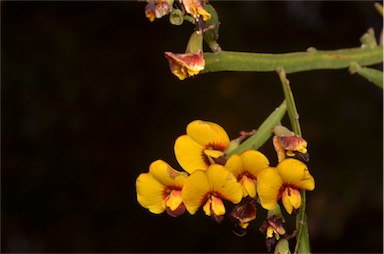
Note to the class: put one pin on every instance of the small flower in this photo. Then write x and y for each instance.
(273, 226)
(284, 181)
(202, 146)
(287, 143)
(208, 188)
(158, 8)
(185, 65)
(190, 63)
(196, 9)
(245, 167)
(160, 189)
(243, 213)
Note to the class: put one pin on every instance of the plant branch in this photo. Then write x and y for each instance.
(312, 59)
(264, 132)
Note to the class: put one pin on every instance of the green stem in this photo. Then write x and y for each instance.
(264, 132)
(302, 243)
(291, 62)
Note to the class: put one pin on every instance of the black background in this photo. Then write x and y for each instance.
(88, 102)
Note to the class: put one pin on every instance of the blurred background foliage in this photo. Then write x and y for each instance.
(88, 102)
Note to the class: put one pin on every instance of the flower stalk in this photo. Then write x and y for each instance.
(302, 243)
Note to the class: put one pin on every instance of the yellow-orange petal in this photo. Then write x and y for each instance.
(270, 231)
(223, 183)
(208, 134)
(195, 191)
(174, 200)
(213, 153)
(217, 206)
(249, 188)
(295, 173)
(207, 207)
(254, 162)
(150, 193)
(166, 175)
(189, 154)
(269, 183)
(291, 199)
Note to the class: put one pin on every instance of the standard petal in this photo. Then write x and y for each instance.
(208, 135)
(224, 183)
(268, 187)
(166, 175)
(195, 191)
(254, 162)
(190, 154)
(150, 193)
(295, 173)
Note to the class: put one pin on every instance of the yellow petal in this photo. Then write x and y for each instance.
(195, 8)
(150, 193)
(207, 207)
(174, 200)
(213, 153)
(295, 173)
(166, 175)
(291, 199)
(217, 206)
(235, 165)
(195, 191)
(268, 187)
(254, 162)
(249, 188)
(278, 148)
(222, 182)
(270, 231)
(208, 134)
(189, 154)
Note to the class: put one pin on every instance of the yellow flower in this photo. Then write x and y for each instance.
(160, 189)
(284, 181)
(208, 188)
(185, 65)
(196, 9)
(201, 146)
(245, 167)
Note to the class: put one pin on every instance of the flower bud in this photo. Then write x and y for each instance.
(195, 43)
(176, 17)
(282, 247)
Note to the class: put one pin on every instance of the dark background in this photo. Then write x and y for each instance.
(88, 102)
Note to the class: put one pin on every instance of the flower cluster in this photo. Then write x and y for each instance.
(210, 178)
(203, 16)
